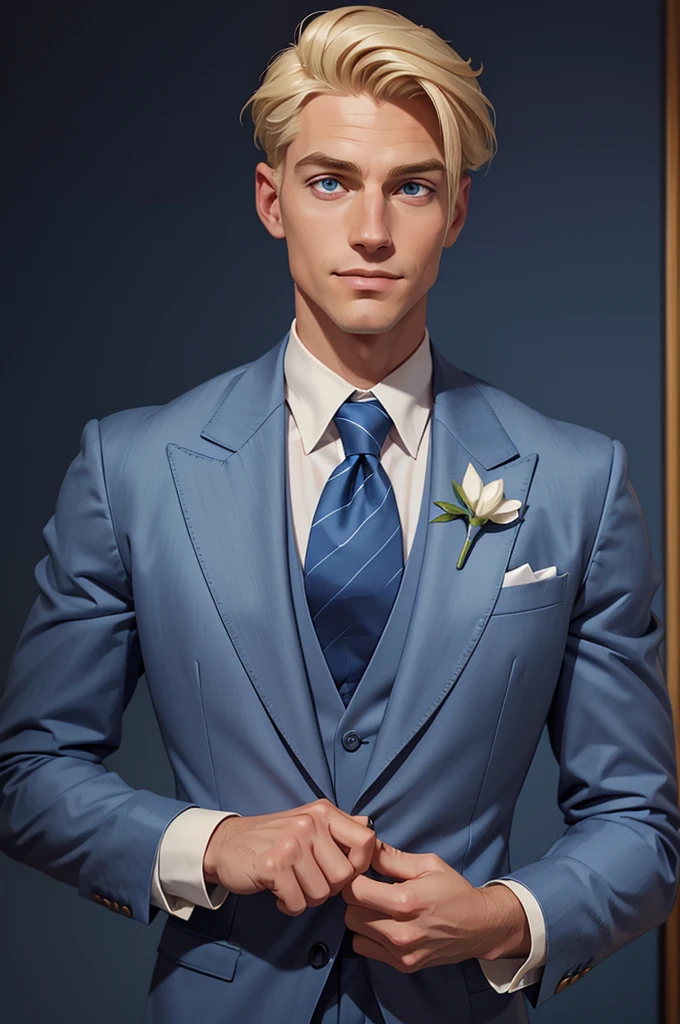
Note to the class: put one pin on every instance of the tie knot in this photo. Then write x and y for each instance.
(363, 426)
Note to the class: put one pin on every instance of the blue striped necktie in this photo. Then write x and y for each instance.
(354, 559)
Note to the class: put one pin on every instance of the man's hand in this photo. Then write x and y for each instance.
(303, 855)
(432, 915)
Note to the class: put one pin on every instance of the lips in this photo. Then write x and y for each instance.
(367, 273)
(368, 282)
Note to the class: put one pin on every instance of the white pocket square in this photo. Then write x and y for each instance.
(525, 574)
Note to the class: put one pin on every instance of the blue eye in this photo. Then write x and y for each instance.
(329, 179)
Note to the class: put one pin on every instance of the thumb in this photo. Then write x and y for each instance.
(394, 863)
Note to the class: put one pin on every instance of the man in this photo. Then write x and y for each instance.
(350, 693)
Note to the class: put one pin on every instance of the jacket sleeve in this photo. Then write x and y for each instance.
(73, 673)
(613, 874)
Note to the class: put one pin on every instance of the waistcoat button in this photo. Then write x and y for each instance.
(351, 741)
(319, 955)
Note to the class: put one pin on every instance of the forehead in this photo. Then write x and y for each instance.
(362, 123)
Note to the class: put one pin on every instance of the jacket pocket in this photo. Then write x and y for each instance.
(489, 1006)
(527, 597)
(191, 949)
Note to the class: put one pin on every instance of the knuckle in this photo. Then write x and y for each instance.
(320, 897)
(321, 807)
(293, 911)
(289, 847)
(403, 938)
(304, 823)
(410, 962)
(341, 875)
(346, 874)
(405, 903)
(268, 869)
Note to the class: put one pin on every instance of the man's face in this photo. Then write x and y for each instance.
(381, 216)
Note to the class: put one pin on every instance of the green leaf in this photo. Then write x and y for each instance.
(446, 518)
(460, 494)
(478, 521)
(455, 510)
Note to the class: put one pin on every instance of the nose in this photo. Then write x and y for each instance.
(368, 226)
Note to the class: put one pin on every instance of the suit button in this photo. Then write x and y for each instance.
(351, 741)
(97, 898)
(126, 910)
(107, 903)
(319, 955)
(115, 906)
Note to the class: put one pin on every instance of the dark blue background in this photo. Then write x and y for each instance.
(135, 267)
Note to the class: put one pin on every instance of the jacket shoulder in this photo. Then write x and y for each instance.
(183, 416)
(559, 441)
(576, 465)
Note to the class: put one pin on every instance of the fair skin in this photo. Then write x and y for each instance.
(336, 218)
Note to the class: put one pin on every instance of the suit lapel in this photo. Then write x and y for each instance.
(234, 509)
(451, 606)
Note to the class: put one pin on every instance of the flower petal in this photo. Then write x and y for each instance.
(490, 498)
(503, 517)
(508, 506)
(472, 485)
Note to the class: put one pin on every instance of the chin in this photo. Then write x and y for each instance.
(366, 322)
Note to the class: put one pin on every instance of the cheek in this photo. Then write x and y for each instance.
(310, 244)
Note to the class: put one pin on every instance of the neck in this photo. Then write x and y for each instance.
(363, 358)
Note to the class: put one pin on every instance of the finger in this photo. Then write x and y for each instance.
(386, 898)
(365, 819)
(396, 936)
(336, 867)
(357, 839)
(311, 880)
(366, 922)
(394, 863)
(374, 950)
(289, 896)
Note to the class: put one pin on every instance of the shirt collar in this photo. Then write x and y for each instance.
(314, 393)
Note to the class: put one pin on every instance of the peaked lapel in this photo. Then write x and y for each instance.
(235, 511)
(234, 508)
(452, 606)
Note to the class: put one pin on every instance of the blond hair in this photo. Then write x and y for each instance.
(376, 51)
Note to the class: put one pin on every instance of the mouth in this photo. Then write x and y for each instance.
(363, 272)
(363, 281)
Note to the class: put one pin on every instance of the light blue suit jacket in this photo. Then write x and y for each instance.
(168, 554)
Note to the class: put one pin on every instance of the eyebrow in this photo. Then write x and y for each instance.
(319, 159)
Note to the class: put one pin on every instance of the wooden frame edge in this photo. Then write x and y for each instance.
(671, 937)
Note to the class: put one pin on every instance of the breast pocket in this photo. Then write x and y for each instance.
(528, 597)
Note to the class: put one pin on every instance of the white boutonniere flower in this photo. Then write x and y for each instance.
(479, 503)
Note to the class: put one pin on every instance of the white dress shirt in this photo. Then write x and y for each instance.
(313, 394)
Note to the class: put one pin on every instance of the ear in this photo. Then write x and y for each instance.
(459, 211)
(267, 199)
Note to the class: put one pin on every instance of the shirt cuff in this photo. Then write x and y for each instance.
(178, 883)
(509, 974)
